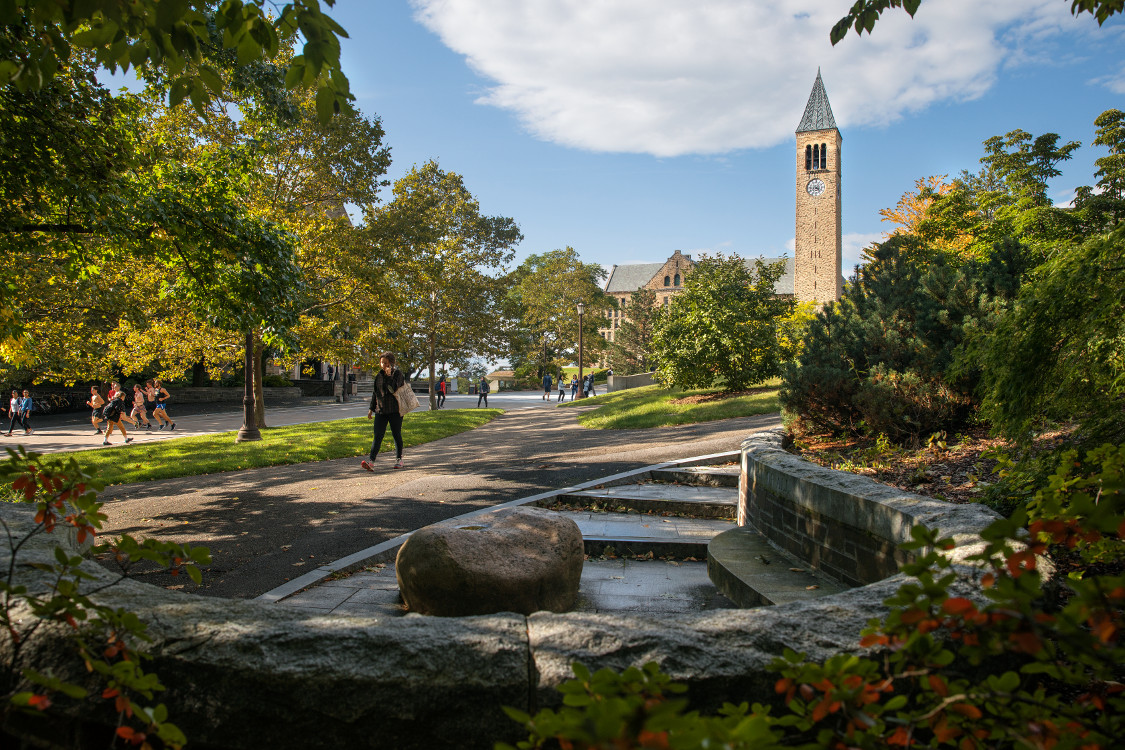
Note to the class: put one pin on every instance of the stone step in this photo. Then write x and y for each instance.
(712, 476)
(700, 502)
(751, 572)
(631, 534)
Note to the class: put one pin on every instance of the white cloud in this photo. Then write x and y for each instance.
(666, 77)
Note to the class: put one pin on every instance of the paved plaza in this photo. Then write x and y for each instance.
(268, 526)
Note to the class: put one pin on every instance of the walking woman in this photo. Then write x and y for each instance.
(96, 403)
(26, 407)
(14, 412)
(384, 408)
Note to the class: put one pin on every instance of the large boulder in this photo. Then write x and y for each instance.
(514, 560)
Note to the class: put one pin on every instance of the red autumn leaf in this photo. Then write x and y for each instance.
(110, 693)
(937, 684)
(820, 710)
(126, 733)
(39, 702)
(966, 709)
(957, 605)
(1029, 643)
(876, 639)
(911, 616)
(899, 737)
(782, 685)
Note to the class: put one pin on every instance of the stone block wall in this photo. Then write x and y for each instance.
(848, 526)
(273, 396)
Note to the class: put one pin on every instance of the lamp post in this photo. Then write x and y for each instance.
(249, 430)
(581, 390)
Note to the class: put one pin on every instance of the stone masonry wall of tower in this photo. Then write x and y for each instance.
(818, 248)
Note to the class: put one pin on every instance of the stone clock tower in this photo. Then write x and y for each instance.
(818, 249)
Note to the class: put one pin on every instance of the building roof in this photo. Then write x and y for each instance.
(818, 112)
(632, 277)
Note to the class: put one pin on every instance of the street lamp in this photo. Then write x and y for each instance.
(249, 430)
(581, 390)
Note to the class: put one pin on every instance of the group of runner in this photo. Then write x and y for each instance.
(115, 408)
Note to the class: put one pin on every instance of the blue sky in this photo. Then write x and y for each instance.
(631, 128)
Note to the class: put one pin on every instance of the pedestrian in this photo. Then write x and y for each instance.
(96, 403)
(113, 412)
(150, 405)
(588, 386)
(442, 387)
(14, 414)
(139, 408)
(162, 395)
(483, 389)
(562, 389)
(384, 409)
(547, 386)
(573, 387)
(26, 407)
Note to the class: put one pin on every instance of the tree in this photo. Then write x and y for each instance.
(913, 215)
(178, 38)
(723, 327)
(1059, 353)
(543, 295)
(1105, 207)
(632, 351)
(864, 13)
(441, 249)
(85, 207)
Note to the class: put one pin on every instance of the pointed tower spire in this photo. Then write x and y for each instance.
(818, 112)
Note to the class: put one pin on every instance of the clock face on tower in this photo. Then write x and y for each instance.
(815, 187)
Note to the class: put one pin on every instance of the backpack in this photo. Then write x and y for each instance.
(112, 410)
(485, 387)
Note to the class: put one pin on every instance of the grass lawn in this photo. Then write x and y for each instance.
(656, 406)
(294, 444)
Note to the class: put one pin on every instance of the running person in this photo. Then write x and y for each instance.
(384, 408)
(139, 408)
(162, 396)
(150, 405)
(112, 412)
(96, 403)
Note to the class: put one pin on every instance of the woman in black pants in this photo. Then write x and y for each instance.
(384, 408)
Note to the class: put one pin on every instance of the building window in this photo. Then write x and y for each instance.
(665, 301)
(808, 158)
(824, 156)
(676, 281)
(667, 281)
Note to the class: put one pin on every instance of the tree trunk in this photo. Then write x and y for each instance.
(433, 366)
(259, 394)
(199, 378)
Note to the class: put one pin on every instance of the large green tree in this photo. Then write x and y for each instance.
(443, 255)
(723, 327)
(543, 296)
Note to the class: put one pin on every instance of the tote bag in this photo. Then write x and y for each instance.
(407, 401)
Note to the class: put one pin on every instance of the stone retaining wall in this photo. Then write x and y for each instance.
(248, 675)
(274, 396)
(623, 382)
(848, 526)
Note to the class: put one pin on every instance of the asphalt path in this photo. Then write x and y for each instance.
(265, 526)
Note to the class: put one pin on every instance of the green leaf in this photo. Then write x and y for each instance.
(325, 103)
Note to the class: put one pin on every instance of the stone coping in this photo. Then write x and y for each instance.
(246, 674)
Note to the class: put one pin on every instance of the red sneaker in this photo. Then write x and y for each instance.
(365, 464)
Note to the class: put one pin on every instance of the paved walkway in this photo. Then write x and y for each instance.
(265, 526)
(73, 432)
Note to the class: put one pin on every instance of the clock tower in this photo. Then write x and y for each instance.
(818, 247)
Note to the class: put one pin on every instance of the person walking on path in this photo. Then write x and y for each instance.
(573, 387)
(442, 386)
(14, 414)
(112, 412)
(384, 408)
(27, 405)
(547, 387)
(483, 389)
(139, 409)
(162, 395)
(96, 403)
